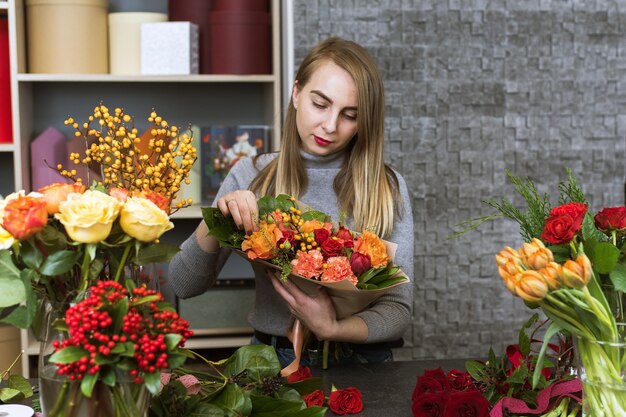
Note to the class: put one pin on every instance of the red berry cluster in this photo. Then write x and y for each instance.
(90, 326)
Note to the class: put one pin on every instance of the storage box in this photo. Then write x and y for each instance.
(169, 48)
(67, 36)
(47, 151)
(125, 40)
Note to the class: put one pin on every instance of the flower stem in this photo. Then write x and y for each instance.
(120, 267)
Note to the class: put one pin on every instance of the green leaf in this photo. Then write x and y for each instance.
(260, 361)
(306, 386)
(124, 349)
(21, 384)
(23, 315)
(68, 354)
(109, 377)
(519, 375)
(153, 382)
(618, 277)
(163, 252)
(222, 228)
(477, 370)
(603, 256)
(31, 255)
(87, 384)
(175, 360)
(58, 263)
(392, 281)
(11, 286)
(551, 331)
(10, 395)
(206, 410)
(119, 312)
(234, 400)
(172, 340)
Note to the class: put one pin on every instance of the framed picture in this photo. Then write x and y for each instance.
(222, 146)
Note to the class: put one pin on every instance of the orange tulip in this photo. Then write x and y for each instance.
(577, 273)
(552, 274)
(506, 254)
(531, 286)
(535, 255)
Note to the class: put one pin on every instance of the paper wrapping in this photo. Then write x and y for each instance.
(347, 299)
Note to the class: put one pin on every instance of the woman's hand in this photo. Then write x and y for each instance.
(316, 313)
(241, 205)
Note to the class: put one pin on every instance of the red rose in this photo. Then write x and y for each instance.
(359, 263)
(559, 229)
(439, 375)
(346, 401)
(459, 379)
(611, 218)
(321, 235)
(575, 210)
(331, 247)
(301, 374)
(316, 398)
(466, 403)
(427, 384)
(288, 235)
(343, 234)
(429, 404)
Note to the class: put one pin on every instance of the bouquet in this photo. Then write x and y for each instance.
(118, 343)
(57, 242)
(354, 268)
(572, 266)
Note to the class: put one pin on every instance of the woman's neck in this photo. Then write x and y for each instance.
(334, 160)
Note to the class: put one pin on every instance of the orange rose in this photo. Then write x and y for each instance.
(262, 243)
(310, 225)
(370, 244)
(56, 192)
(120, 194)
(160, 200)
(25, 216)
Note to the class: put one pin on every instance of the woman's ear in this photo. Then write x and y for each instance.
(294, 94)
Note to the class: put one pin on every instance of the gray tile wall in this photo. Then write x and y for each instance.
(474, 87)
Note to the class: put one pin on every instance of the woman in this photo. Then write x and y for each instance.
(331, 158)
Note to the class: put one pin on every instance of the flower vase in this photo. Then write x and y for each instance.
(602, 371)
(143, 275)
(62, 397)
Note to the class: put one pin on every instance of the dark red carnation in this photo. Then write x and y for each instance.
(359, 263)
(301, 374)
(316, 398)
(470, 403)
(345, 401)
(611, 218)
(331, 247)
(458, 379)
(429, 404)
(321, 235)
(559, 229)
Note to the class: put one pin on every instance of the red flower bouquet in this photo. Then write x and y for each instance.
(438, 394)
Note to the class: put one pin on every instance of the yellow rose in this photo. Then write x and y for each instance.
(88, 217)
(143, 220)
(6, 239)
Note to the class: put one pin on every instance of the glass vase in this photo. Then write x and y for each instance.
(602, 371)
(61, 397)
(143, 275)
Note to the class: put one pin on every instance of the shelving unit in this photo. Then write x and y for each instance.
(43, 100)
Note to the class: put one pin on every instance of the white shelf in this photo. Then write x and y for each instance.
(109, 78)
(39, 101)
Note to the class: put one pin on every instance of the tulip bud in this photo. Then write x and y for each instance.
(535, 255)
(506, 254)
(576, 273)
(359, 263)
(511, 268)
(531, 286)
(552, 274)
(510, 282)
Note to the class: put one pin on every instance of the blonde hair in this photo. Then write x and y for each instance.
(368, 188)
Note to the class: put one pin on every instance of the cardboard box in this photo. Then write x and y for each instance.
(169, 48)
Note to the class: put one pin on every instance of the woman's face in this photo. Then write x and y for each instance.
(326, 110)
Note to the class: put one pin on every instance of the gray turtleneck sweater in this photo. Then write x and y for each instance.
(193, 271)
